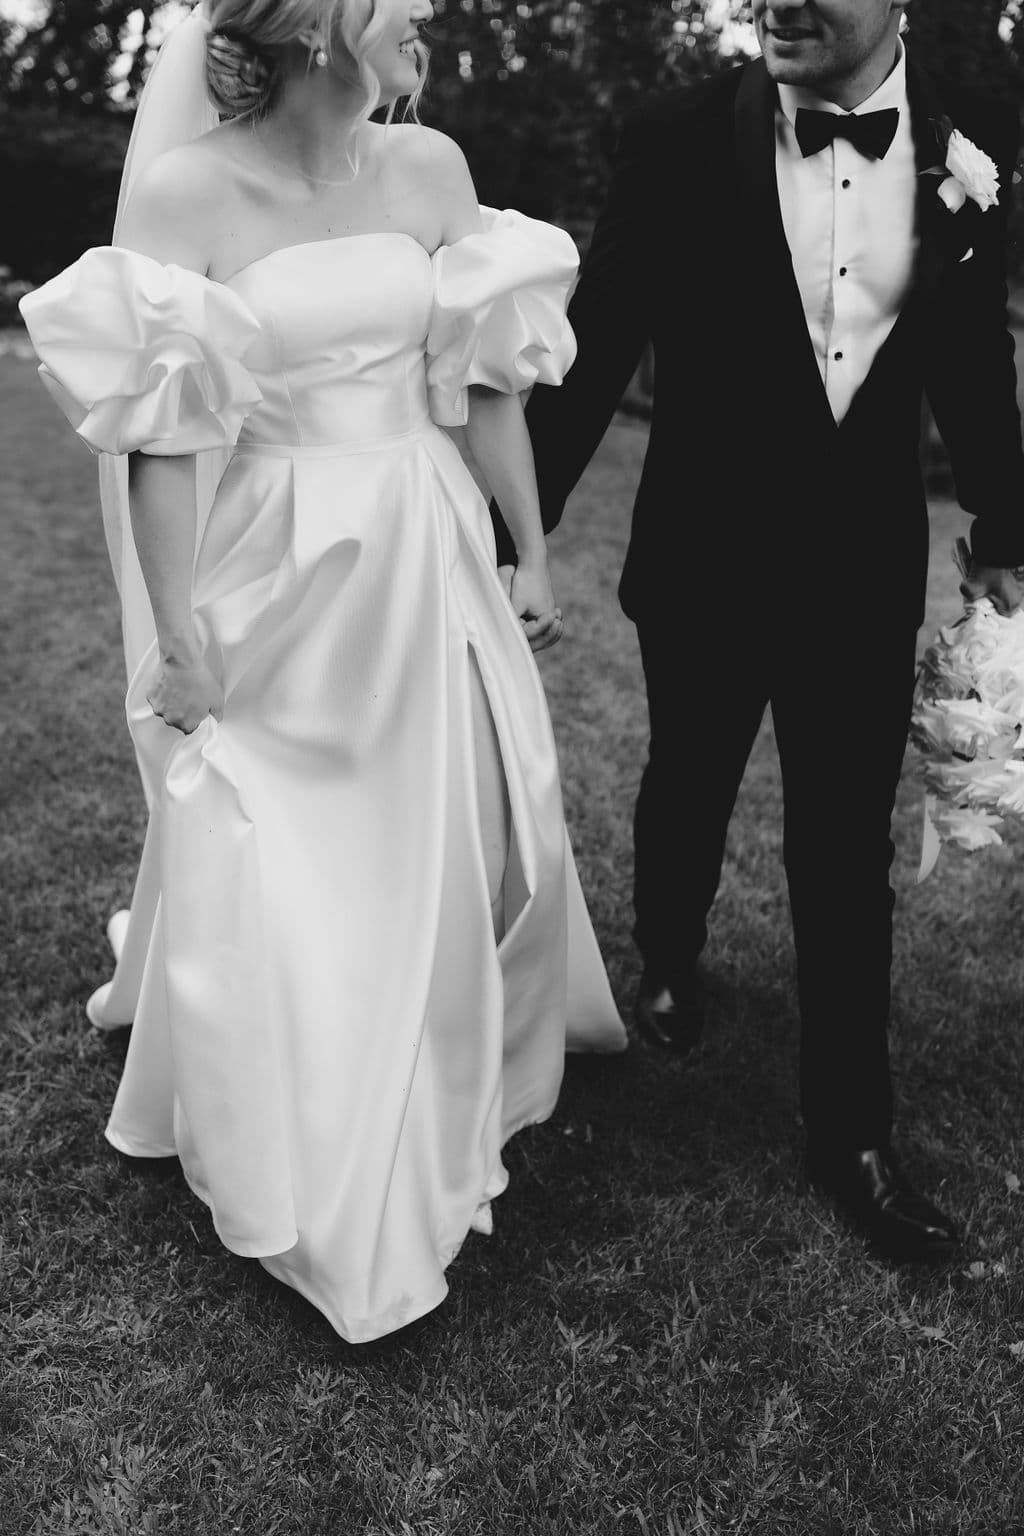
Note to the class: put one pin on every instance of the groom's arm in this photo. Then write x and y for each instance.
(971, 379)
(610, 315)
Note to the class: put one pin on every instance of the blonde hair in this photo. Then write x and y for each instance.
(242, 74)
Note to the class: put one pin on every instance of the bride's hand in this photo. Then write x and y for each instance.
(534, 603)
(184, 692)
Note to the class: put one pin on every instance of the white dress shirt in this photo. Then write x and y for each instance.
(850, 224)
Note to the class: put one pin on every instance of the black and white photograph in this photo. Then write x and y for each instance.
(511, 768)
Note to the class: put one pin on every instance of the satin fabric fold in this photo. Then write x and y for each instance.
(499, 316)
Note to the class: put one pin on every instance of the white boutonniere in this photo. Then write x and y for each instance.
(968, 172)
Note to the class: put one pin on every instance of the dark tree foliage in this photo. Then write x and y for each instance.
(59, 176)
(65, 62)
(533, 90)
(960, 41)
(1013, 28)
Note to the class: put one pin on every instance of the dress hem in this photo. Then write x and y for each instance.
(369, 1331)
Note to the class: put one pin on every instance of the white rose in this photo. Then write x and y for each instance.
(984, 788)
(974, 729)
(972, 173)
(969, 829)
(1012, 795)
(1010, 703)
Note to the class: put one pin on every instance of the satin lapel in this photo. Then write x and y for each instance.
(925, 111)
(780, 311)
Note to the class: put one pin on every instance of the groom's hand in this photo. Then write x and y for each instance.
(1003, 585)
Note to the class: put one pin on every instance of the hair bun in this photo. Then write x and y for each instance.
(240, 78)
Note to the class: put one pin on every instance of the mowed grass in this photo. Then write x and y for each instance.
(666, 1333)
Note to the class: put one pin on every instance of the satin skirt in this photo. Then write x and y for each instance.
(326, 1031)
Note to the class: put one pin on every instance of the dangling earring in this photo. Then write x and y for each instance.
(320, 58)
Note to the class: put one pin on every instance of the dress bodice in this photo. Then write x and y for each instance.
(344, 326)
(333, 341)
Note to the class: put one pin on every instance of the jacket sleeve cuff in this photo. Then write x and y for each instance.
(998, 544)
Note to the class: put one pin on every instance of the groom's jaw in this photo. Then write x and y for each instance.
(791, 65)
(840, 49)
(793, 53)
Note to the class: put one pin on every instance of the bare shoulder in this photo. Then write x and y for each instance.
(427, 152)
(433, 168)
(177, 205)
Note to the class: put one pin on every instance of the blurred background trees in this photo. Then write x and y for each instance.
(67, 54)
(532, 89)
(967, 41)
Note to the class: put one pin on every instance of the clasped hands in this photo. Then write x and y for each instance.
(529, 591)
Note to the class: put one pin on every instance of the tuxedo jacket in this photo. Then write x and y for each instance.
(745, 462)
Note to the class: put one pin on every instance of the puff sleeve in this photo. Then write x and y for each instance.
(499, 316)
(142, 356)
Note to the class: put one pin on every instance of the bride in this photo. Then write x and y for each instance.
(357, 941)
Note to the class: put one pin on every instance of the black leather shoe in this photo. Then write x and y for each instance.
(874, 1197)
(668, 1013)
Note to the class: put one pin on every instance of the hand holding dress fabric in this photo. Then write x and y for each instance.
(184, 693)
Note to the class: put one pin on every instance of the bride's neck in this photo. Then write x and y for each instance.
(315, 125)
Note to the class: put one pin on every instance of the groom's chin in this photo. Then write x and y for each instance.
(791, 71)
(792, 62)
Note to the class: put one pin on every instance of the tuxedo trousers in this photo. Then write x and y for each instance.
(840, 687)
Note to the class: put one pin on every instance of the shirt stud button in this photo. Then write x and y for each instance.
(839, 357)
(842, 271)
(846, 183)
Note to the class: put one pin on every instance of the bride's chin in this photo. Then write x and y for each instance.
(390, 93)
(403, 76)
(395, 90)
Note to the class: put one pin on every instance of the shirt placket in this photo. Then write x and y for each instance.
(846, 203)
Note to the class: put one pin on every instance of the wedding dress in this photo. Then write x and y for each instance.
(326, 1031)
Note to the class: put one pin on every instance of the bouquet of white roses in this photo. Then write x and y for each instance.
(968, 727)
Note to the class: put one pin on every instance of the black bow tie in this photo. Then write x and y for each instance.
(871, 133)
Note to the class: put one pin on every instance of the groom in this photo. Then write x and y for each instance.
(804, 284)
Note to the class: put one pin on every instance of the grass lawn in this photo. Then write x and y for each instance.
(666, 1335)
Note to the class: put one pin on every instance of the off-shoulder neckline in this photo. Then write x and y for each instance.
(302, 245)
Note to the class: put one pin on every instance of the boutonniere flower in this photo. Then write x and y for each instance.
(968, 172)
